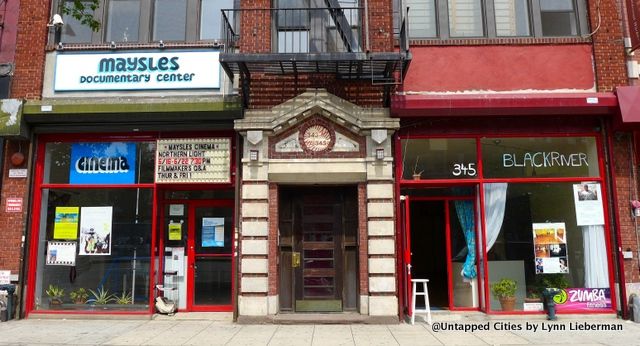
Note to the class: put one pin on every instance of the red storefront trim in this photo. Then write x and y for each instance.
(504, 104)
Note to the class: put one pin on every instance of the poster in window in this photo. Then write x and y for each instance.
(212, 232)
(61, 253)
(175, 230)
(66, 223)
(95, 231)
(587, 197)
(550, 248)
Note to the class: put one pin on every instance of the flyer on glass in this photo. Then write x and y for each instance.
(550, 246)
(587, 197)
(66, 223)
(95, 230)
(61, 253)
(212, 232)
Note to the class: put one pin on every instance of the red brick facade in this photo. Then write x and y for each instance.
(26, 84)
(13, 224)
(626, 190)
(270, 90)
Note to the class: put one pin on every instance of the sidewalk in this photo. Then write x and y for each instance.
(167, 331)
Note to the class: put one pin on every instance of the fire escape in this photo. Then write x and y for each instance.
(323, 40)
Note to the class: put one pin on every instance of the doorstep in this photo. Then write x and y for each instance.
(87, 316)
(469, 316)
(196, 316)
(318, 318)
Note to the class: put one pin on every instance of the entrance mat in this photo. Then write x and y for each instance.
(317, 305)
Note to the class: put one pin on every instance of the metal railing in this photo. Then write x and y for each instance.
(294, 30)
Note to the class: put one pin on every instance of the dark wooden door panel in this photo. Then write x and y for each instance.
(317, 225)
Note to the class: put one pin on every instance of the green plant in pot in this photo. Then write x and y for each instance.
(79, 296)
(551, 281)
(100, 297)
(124, 298)
(533, 296)
(55, 294)
(505, 291)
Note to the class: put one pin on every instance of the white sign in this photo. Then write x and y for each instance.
(5, 277)
(18, 173)
(176, 209)
(61, 253)
(137, 71)
(587, 198)
(193, 160)
(95, 230)
(13, 205)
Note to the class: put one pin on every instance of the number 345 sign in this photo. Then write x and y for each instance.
(462, 169)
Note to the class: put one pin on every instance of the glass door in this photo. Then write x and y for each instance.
(210, 256)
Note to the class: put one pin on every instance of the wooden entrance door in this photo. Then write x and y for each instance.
(318, 249)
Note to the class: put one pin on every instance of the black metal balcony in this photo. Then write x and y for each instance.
(328, 40)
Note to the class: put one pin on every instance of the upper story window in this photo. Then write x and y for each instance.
(312, 26)
(144, 21)
(496, 18)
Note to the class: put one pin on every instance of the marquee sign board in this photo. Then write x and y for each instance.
(193, 160)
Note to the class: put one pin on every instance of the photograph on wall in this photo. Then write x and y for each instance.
(61, 253)
(95, 231)
(212, 232)
(550, 248)
(65, 224)
(587, 197)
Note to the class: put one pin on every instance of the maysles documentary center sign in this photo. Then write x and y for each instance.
(137, 71)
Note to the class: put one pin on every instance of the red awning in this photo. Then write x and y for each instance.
(505, 104)
(629, 99)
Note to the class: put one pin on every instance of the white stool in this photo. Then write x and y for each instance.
(425, 293)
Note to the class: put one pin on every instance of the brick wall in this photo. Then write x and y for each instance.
(12, 223)
(608, 45)
(32, 38)
(625, 192)
(269, 90)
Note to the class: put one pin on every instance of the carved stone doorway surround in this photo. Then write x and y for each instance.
(317, 138)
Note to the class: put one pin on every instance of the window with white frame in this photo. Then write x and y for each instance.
(496, 18)
(145, 21)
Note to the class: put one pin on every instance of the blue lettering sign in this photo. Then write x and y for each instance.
(102, 163)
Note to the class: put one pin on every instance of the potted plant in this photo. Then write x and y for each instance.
(416, 175)
(100, 297)
(551, 281)
(79, 296)
(124, 298)
(55, 294)
(505, 291)
(533, 296)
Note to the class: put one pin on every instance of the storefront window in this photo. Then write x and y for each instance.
(540, 157)
(437, 158)
(548, 235)
(98, 246)
(99, 163)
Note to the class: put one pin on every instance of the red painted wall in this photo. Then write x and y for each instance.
(9, 21)
(500, 68)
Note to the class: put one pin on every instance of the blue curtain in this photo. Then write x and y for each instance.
(464, 209)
